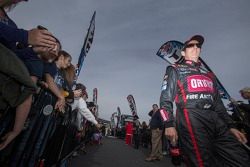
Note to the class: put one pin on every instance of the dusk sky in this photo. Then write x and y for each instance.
(122, 59)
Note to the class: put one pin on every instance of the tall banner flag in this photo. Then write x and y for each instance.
(171, 52)
(113, 120)
(132, 105)
(87, 44)
(95, 96)
(97, 111)
(95, 101)
(118, 117)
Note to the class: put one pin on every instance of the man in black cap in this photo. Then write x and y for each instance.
(206, 132)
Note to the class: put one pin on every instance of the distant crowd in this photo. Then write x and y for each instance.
(152, 136)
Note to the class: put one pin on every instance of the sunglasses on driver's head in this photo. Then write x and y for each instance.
(198, 45)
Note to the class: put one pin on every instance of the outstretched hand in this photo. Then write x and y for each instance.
(60, 104)
(41, 38)
(98, 126)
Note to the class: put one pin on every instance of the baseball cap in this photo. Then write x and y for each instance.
(198, 38)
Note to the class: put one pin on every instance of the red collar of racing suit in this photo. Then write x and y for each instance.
(193, 63)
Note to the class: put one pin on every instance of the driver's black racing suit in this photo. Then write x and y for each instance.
(202, 121)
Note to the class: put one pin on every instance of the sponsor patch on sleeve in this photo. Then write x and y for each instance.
(164, 83)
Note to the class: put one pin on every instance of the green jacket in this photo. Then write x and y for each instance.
(15, 82)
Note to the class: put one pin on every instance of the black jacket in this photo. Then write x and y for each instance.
(193, 88)
(156, 120)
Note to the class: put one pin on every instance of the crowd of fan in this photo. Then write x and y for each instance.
(44, 115)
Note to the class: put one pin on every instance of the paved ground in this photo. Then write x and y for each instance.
(115, 153)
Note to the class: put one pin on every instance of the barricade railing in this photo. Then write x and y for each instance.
(31, 145)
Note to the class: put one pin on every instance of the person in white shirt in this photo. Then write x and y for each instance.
(83, 111)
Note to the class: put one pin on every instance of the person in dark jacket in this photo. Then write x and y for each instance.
(156, 126)
(136, 132)
(206, 132)
(145, 137)
(26, 45)
(245, 93)
(242, 117)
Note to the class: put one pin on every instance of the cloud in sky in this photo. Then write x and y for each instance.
(128, 33)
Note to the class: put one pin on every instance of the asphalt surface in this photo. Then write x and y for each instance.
(115, 153)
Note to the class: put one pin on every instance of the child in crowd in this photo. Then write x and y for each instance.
(97, 136)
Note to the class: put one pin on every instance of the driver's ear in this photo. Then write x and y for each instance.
(182, 53)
